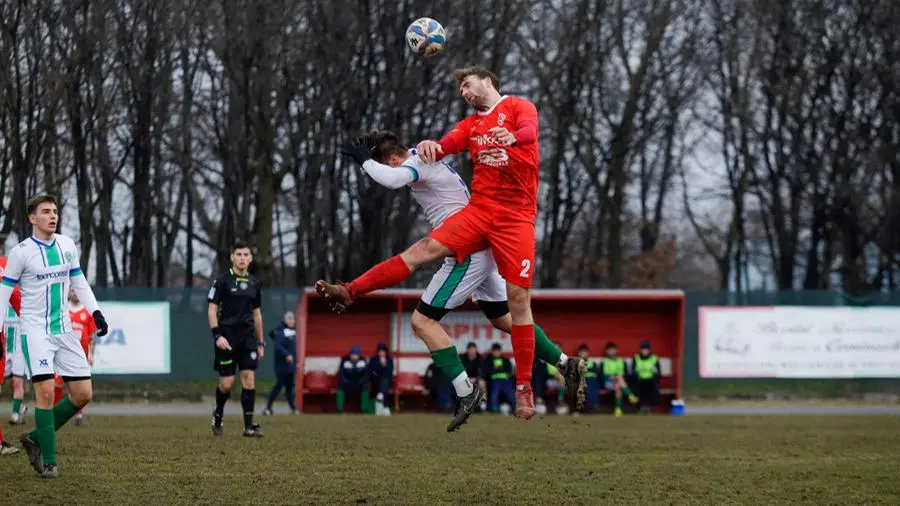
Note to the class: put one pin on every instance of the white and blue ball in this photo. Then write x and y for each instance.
(425, 37)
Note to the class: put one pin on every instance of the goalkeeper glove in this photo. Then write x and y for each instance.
(359, 150)
(100, 322)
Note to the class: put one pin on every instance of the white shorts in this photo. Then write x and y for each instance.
(475, 277)
(54, 354)
(15, 360)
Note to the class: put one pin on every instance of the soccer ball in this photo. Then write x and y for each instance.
(425, 37)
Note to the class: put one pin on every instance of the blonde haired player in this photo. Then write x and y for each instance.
(44, 266)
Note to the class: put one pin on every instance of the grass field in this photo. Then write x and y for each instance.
(409, 459)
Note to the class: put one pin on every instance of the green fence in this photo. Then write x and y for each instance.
(191, 348)
(190, 339)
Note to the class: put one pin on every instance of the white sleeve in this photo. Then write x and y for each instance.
(392, 177)
(14, 267)
(81, 286)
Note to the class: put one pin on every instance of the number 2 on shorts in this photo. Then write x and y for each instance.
(526, 264)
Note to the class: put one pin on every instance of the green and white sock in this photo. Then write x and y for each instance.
(17, 406)
(447, 360)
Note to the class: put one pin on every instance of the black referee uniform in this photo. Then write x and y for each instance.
(236, 297)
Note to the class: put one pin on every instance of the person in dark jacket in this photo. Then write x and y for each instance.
(352, 378)
(284, 337)
(381, 372)
(439, 387)
(498, 371)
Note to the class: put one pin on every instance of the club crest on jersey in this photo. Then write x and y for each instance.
(243, 285)
(500, 119)
(68, 256)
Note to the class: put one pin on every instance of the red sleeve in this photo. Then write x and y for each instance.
(15, 300)
(526, 122)
(458, 138)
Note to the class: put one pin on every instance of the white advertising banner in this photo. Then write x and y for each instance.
(799, 342)
(138, 339)
(462, 326)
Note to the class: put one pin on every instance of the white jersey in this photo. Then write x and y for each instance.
(43, 272)
(11, 317)
(437, 188)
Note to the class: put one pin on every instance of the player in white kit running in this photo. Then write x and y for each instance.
(44, 266)
(441, 192)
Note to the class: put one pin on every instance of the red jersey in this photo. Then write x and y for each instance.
(83, 322)
(506, 175)
(15, 300)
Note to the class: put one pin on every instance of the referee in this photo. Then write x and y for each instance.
(237, 329)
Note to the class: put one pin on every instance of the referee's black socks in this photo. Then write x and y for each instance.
(221, 399)
(248, 402)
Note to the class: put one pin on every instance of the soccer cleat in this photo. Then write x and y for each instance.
(267, 412)
(7, 449)
(524, 403)
(633, 399)
(337, 296)
(618, 412)
(50, 471)
(575, 373)
(253, 431)
(79, 420)
(33, 451)
(19, 417)
(216, 425)
(465, 407)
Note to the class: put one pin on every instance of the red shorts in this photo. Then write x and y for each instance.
(510, 237)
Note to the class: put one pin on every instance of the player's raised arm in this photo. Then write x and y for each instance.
(526, 122)
(362, 151)
(454, 142)
(526, 126)
(86, 295)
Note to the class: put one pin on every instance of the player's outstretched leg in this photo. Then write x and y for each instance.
(573, 369)
(386, 274)
(446, 359)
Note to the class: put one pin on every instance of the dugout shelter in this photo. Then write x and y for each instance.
(570, 317)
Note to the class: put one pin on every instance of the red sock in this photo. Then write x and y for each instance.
(57, 395)
(2, 439)
(384, 275)
(523, 350)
